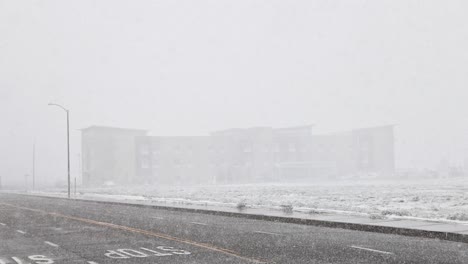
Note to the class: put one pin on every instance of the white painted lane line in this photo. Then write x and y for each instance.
(3, 224)
(157, 217)
(51, 244)
(92, 262)
(197, 223)
(267, 233)
(372, 250)
(21, 232)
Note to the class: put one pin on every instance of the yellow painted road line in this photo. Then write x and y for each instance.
(144, 232)
(267, 233)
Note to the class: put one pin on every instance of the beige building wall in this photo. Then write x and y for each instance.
(174, 160)
(108, 155)
(366, 150)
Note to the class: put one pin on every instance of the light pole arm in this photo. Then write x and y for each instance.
(64, 109)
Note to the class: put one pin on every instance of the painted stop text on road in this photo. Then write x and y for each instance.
(36, 259)
(142, 252)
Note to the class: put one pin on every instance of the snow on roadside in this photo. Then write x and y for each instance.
(429, 200)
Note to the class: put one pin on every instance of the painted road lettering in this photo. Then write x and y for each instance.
(40, 259)
(37, 259)
(156, 253)
(126, 253)
(133, 253)
(115, 255)
(173, 250)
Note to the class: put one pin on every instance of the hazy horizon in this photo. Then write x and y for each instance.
(188, 68)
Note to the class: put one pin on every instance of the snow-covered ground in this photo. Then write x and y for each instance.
(445, 199)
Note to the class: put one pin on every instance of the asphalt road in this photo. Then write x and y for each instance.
(42, 230)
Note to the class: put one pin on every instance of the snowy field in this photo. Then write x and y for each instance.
(431, 199)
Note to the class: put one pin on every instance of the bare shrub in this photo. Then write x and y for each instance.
(458, 216)
(287, 208)
(241, 205)
(395, 212)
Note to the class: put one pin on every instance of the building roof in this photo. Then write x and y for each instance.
(263, 128)
(356, 130)
(113, 128)
(296, 127)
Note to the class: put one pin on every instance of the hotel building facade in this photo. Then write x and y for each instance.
(234, 156)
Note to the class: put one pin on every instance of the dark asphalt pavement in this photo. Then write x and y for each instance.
(42, 230)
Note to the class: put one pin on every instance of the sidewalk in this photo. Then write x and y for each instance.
(457, 232)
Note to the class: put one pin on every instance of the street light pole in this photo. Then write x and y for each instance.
(68, 144)
(68, 152)
(34, 165)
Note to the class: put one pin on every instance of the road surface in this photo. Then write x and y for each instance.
(41, 230)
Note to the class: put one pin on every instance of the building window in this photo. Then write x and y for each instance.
(144, 150)
(155, 161)
(292, 147)
(144, 164)
(155, 152)
(276, 149)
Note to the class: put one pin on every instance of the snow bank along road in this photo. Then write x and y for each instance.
(38, 230)
(444, 199)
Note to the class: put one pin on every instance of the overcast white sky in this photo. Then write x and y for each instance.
(189, 67)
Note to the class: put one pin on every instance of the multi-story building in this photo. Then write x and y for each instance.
(173, 160)
(366, 150)
(108, 155)
(259, 154)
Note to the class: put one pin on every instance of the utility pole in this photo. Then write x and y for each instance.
(79, 171)
(26, 182)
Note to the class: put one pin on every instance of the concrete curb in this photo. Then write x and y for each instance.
(449, 236)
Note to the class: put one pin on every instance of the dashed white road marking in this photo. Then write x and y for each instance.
(3, 224)
(372, 250)
(157, 217)
(144, 232)
(197, 223)
(21, 232)
(51, 244)
(92, 262)
(267, 233)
